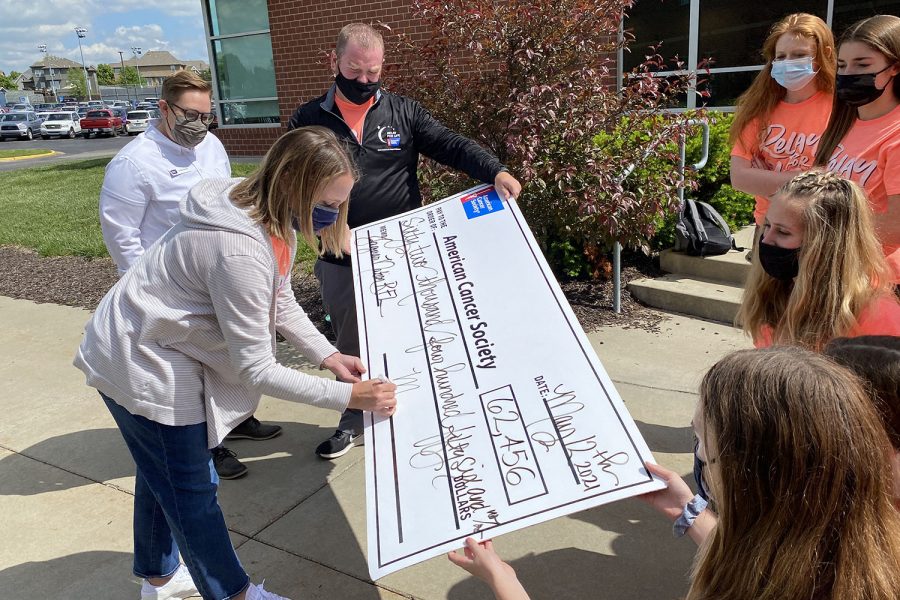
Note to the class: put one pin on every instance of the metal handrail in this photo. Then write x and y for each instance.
(617, 247)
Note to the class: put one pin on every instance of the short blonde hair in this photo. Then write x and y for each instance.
(182, 81)
(364, 35)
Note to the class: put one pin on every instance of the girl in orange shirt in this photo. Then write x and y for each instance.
(821, 273)
(780, 118)
(862, 141)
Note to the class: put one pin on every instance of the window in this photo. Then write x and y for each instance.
(242, 66)
(729, 34)
(847, 13)
(228, 17)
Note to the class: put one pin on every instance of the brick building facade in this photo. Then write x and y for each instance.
(301, 33)
(269, 56)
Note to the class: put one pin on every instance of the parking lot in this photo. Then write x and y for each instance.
(79, 148)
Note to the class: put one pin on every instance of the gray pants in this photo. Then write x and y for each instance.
(336, 287)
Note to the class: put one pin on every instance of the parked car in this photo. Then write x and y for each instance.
(138, 121)
(122, 114)
(83, 110)
(21, 125)
(101, 121)
(21, 108)
(65, 123)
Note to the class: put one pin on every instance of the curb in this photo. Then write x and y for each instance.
(15, 158)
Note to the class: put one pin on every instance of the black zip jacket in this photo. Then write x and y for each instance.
(396, 130)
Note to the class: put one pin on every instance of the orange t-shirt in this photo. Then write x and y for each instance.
(882, 317)
(870, 155)
(354, 114)
(282, 255)
(790, 140)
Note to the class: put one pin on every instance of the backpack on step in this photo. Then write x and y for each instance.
(701, 231)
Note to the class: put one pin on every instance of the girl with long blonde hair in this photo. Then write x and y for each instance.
(796, 461)
(820, 272)
(862, 140)
(779, 119)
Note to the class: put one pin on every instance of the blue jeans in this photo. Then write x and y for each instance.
(175, 506)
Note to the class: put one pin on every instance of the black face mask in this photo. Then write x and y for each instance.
(859, 90)
(354, 91)
(779, 263)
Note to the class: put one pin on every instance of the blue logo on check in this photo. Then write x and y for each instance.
(482, 203)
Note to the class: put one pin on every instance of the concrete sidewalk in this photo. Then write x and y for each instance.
(298, 522)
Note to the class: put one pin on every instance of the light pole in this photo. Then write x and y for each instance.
(124, 82)
(136, 50)
(82, 32)
(43, 48)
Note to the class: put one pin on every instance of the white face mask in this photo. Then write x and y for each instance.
(793, 74)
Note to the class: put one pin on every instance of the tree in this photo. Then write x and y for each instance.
(206, 75)
(77, 82)
(8, 82)
(534, 81)
(129, 76)
(105, 74)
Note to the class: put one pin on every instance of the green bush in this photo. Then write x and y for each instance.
(513, 77)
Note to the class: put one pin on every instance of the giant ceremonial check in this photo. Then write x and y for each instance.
(505, 416)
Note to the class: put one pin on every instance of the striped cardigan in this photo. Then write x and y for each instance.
(187, 335)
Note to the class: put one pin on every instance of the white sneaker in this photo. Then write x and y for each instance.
(180, 586)
(256, 592)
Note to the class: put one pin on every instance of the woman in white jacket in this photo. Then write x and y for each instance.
(183, 346)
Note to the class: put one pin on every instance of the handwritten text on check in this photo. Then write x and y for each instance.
(505, 417)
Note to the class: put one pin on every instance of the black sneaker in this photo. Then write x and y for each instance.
(339, 444)
(226, 463)
(252, 429)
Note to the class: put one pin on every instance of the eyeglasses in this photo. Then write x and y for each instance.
(190, 115)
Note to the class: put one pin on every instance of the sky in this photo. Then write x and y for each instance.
(112, 25)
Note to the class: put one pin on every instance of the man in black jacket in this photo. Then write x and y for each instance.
(385, 134)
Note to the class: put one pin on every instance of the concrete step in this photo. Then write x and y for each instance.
(731, 267)
(704, 298)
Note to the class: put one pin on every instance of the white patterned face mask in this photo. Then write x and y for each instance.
(793, 74)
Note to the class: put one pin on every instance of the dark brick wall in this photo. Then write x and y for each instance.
(303, 31)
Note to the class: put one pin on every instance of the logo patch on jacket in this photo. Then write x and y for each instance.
(389, 137)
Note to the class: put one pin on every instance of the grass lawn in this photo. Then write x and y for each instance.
(54, 209)
(24, 152)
